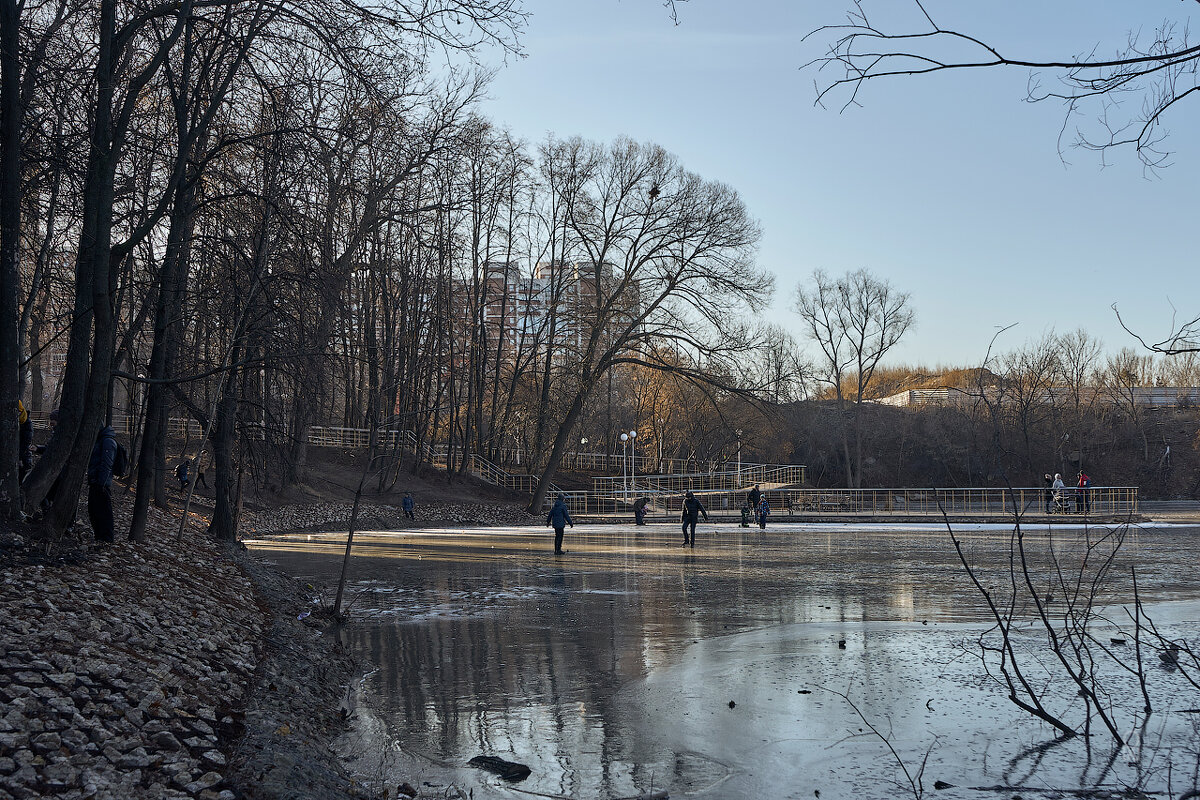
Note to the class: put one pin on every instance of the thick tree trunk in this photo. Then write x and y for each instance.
(559, 449)
(10, 234)
(81, 409)
(222, 526)
(151, 459)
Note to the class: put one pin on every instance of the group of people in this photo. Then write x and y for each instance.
(107, 460)
(1056, 495)
(756, 504)
(560, 516)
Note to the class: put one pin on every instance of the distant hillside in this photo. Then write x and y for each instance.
(891, 380)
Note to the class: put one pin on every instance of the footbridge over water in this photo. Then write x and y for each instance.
(792, 503)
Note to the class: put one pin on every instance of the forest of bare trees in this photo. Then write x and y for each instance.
(1054, 403)
(264, 215)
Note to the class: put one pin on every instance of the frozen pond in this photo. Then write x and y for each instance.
(611, 671)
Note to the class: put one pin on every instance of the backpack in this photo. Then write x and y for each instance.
(121, 461)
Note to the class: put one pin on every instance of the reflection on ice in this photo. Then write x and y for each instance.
(610, 671)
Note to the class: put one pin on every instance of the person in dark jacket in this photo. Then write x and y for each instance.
(24, 440)
(753, 498)
(692, 509)
(764, 511)
(1048, 479)
(407, 505)
(99, 477)
(559, 518)
(639, 510)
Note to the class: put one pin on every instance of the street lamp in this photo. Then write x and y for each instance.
(661, 433)
(739, 477)
(633, 461)
(625, 465)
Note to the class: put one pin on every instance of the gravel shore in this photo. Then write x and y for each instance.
(172, 669)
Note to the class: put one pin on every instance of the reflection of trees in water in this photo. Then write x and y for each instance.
(533, 655)
(534, 679)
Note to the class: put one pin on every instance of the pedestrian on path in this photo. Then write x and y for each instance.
(24, 442)
(1058, 490)
(558, 518)
(1084, 503)
(99, 478)
(692, 509)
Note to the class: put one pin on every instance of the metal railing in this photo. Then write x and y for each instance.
(766, 476)
(357, 438)
(124, 424)
(985, 503)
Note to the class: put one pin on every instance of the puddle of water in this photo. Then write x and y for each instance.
(610, 671)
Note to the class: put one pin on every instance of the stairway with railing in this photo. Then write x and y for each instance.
(766, 476)
(608, 493)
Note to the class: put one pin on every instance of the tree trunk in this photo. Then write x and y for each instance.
(151, 459)
(565, 432)
(222, 526)
(10, 234)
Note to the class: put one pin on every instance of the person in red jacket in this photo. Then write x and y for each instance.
(1084, 503)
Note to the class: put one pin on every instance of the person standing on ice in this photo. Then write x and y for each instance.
(692, 509)
(559, 518)
(639, 510)
(753, 497)
(764, 510)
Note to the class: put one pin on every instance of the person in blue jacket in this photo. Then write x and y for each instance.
(99, 478)
(407, 505)
(559, 518)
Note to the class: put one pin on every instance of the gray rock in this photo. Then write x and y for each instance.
(133, 760)
(60, 774)
(165, 740)
(47, 743)
(206, 781)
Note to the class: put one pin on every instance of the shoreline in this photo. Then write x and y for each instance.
(170, 670)
(183, 669)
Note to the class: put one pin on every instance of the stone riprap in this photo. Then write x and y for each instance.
(161, 671)
(335, 516)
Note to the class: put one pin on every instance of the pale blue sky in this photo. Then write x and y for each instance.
(951, 187)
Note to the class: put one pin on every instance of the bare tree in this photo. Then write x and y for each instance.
(854, 320)
(1110, 104)
(1160, 67)
(1123, 374)
(660, 258)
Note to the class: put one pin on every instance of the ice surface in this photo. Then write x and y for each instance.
(610, 670)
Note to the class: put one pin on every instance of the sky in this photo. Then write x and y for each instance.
(951, 187)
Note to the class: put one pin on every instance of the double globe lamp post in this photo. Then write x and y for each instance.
(627, 440)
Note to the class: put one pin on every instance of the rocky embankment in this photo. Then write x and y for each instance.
(335, 516)
(170, 669)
